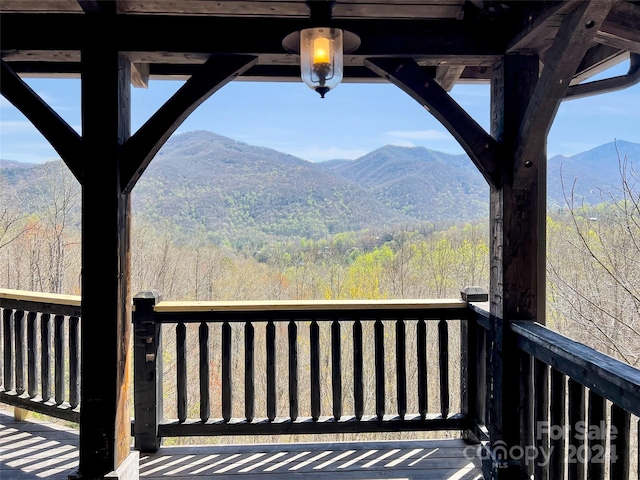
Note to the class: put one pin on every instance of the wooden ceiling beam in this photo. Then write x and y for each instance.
(620, 29)
(64, 139)
(250, 36)
(573, 40)
(598, 59)
(413, 80)
(139, 149)
(536, 23)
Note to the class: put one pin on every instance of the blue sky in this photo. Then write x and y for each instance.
(352, 120)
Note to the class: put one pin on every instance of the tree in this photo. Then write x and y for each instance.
(594, 268)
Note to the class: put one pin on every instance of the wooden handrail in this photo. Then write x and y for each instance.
(610, 378)
(307, 305)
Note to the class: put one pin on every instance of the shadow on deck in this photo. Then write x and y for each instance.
(35, 449)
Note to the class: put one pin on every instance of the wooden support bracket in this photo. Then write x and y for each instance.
(64, 139)
(574, 38)
(139, 150)
(413, 80)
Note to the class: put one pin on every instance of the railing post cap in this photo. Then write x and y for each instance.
(474, 294)
(154, 295)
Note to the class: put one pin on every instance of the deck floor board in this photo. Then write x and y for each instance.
(35, 449)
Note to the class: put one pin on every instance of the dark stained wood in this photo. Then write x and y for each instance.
(181, 371)
(32, 355)
(148, 372)
(517, 215)
(596, 59)
(20, 350)
(74, 362)
(379, 366)
(358, 377)
(307, 425)
(596, 441)
(293, 370)
(443, 356)
(574, 38)
(606, 376)
(203, 340)
(481, 375)
(557, 417)
(249, 372)
(423, 380)
(314, 340)
(272, 393)
(414, 81)
(140, 149)
(527, 396)
(468, 373)
(535, 24)
(45, 356)
(336, 369)
(541, 417)
(62, 137)
(401, 367)
(105, 427)
(226, 371)
(59, 356)
(620, 29)
(620, 464)
(576, 440)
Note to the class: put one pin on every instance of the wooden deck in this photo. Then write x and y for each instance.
(34, 449)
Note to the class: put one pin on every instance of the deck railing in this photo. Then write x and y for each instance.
(336, 332)
(303, 368)
(40, 341)
(575, 404)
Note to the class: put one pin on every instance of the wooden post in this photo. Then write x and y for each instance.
(147, 372)
(517, 246)
(105, 416)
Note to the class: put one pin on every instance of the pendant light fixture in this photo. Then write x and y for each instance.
(321, 48)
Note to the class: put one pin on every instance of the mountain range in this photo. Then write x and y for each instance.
(239, 193)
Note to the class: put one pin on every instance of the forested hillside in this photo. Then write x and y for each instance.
(215, 219)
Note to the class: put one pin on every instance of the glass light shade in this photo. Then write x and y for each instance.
(321, 58)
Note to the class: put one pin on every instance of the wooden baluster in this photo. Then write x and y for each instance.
(481, 361)
(314, 339)
(620, 444)
(378, 340)
(181, 366)
(226, 371)
(32, 357)
(7, 329)
(557, 418)
(74, 362)
(271, 371)
(541, 412)
(358, 380)
(20, 341)
(527, 434)
(336, 370)
(203, 337)
(443, 342)
(401, 367)
(59, 347)
(576, 468)
(45, 356)
(293, 370)
(249, 372)
(595, 452)
(423, 381)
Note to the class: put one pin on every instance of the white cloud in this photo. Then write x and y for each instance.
(420, 134)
